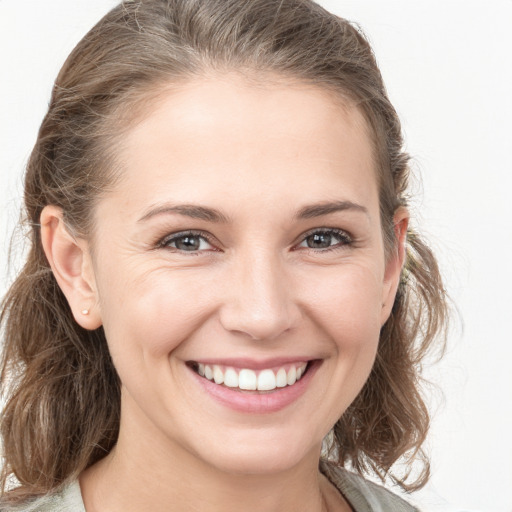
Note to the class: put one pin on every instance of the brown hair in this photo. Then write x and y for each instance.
(63, 393)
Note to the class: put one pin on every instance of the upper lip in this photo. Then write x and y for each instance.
(253, 364)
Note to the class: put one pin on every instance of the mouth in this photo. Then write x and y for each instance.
(263, 380)
(255, 387)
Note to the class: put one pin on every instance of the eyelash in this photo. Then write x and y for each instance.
(344, 240)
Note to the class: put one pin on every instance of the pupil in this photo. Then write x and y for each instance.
(319, 240)
(188, 243)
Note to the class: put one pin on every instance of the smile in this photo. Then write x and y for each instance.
(255, 387)
(246, 379)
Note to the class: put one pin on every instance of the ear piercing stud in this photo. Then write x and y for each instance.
(85, 311)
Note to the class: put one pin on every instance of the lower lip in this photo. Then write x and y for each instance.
(254, 402)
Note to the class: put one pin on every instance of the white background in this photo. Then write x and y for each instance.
(448, 68)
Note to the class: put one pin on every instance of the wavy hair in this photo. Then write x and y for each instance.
(62, 391)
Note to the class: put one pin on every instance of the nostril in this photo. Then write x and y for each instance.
(258, 325)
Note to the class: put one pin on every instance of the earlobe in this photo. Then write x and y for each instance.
(395, 262)
(71, 265)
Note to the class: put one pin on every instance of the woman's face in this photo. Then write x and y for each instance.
(242, 247)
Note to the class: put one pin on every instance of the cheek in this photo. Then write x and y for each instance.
(348, 304)
(346, 308)
(154, 313)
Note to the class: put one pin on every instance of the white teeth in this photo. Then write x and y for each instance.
(247, 380)
(281, 378)
(291, 377)
(231, 378)
(265, 380)
(218, 375)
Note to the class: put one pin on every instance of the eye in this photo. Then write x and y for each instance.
(187, 242)
(325, 239)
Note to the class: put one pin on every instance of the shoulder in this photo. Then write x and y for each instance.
(363, 495)
(68, 500)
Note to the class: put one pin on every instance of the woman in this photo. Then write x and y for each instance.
(224, 305)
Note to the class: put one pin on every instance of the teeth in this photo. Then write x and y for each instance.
(291, 377)
(281, 380)
(231, 378)
(218, 376)
(247, 380)
(265, 380)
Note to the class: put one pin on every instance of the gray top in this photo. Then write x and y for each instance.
(69, 500)
(363, 496)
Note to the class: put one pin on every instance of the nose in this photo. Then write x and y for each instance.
(259, 300)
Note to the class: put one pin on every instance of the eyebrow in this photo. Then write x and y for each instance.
(189, 210)
(212, 215)
(317, 210)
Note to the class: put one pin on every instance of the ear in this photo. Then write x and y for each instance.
(394, 262)
(72, 267)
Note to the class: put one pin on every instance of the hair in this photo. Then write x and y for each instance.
(63, 394)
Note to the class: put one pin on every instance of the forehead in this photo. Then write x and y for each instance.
(216, 138)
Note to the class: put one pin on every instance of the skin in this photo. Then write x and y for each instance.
(258, 155)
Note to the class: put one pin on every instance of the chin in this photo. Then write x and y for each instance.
(261, 456)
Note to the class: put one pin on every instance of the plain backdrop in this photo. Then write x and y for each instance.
(448, 69)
